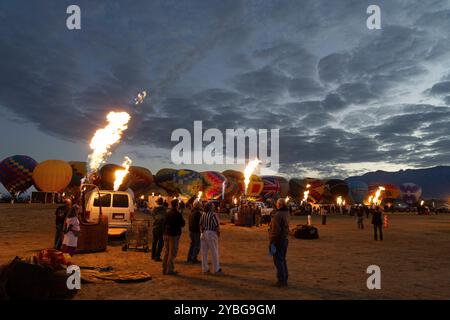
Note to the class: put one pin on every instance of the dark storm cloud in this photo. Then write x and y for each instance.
(334, 89)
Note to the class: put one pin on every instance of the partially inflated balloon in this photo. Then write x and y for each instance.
(392, 191)
(336, 188)
(188, 182)
(52, 175)
(16, 173)
(166, 178)
(274, 187)
(410, 192)
(140, 178)
(296, 188)
(255, 186)
(358, 191)
(79, 171)
(213, 184)
(316, 189)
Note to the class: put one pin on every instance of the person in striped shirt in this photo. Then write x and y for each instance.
(209, 226)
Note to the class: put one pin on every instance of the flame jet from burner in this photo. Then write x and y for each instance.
(251, 166)
(106, 137)
(121, 173)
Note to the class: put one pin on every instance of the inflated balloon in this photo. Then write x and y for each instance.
(255, 186)
(188, 182)
(166, 178)
(336, 187)
(410, 192)
(392, 191)
(274, 187)
(358, 191)
(316, 189)
(213, 184)
(153, 190)
(296, 188)
(108, 176)
(79, 171)
(52, 175)
(16, 173)
(140, 178)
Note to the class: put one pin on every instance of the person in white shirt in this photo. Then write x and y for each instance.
(71, 231)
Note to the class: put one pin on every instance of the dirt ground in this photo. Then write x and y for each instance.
(414, 259)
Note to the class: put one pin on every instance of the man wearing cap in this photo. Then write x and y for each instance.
(159, 216)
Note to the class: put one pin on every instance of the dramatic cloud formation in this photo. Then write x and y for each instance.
(344, 97)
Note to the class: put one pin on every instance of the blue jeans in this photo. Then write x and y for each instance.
(157, 244)
(279, 259)
(58, 236)
(194, 248)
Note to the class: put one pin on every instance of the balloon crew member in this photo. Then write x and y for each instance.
(159, 217)
(71, 231)
(377, 221)
(194, 232)
(278, 241)
(60, 217)
(210, 228)
(360, 217)
(172, 231)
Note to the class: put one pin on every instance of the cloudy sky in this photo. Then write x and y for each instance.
(346, 99)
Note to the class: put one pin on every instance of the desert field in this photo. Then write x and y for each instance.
(414, 259)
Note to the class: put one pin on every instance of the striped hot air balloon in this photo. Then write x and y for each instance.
(16, 173)
(358, 191)
(213, 184)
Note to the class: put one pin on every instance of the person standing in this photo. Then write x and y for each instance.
(324, 213)
(194, 232)
(60, 218)
(173, 225)
(159, 216)
(360, 217)
(278, 243)
(377, 221)
(71, 231)
(210, 228)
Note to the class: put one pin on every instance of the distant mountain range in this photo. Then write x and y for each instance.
(435, 182)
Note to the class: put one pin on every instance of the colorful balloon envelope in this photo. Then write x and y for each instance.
(316, 189)
(79, 171)
(336, 188)
(358, 191)
(140, 178)
(16, 173)
(274, 187)
(188, 182)
(410, 192)
(392, 191)
(108, 176)
(255, 186)
(296, 188)
(52, 175)
(213, 184)
(166, 178)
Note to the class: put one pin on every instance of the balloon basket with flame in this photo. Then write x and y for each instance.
(93, 231)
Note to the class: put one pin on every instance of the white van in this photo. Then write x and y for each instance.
(117, 205)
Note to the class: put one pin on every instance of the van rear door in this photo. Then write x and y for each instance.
(120, 212)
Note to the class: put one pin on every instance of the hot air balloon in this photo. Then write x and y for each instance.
(392, 191)
(274, 187)
(108, 176)
(316, 189)
(52, 175)
(188, 182)
(336, 188)
(140, 178)
(166, 178)
(296, 188)
(255, 186)
(213, 184)
(358, 191)
(16, 173)
(410, 192)
(79, 171)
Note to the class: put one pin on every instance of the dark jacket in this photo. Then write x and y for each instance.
(377, 218)
(174, 223)
(61, 214)
(194, 221)
(279, 226)
(159, 217)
